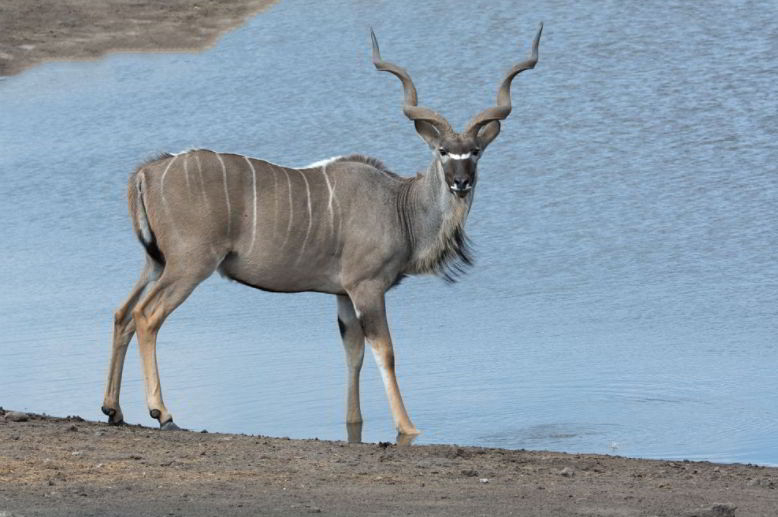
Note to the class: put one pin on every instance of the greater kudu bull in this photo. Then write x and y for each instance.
(345, 226)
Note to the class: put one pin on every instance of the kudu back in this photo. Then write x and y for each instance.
(345, 226)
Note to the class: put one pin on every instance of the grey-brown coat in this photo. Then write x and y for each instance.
(345, 226)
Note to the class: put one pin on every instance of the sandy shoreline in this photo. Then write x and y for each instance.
(35, 31)
(68, 466)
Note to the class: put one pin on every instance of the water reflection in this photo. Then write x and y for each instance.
(624, 227)
(406, 439)
(354, 435)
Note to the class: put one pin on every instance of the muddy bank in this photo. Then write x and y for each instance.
(68, 466)
(34, 31)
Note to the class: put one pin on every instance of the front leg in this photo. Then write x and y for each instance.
(370, 308)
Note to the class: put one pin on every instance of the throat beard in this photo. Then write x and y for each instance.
(449, 254)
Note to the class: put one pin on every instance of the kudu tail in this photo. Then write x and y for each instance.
(140, 217)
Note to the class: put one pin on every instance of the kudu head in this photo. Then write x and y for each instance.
(457, 154)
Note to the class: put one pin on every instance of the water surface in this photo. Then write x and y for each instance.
(625, 295)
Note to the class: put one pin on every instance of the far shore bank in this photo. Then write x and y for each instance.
(69, 466)
(36, 31)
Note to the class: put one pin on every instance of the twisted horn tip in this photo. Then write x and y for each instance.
(376, 51)
(536, 41)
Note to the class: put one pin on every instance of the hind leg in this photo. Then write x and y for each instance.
(123, 330)
(170, 291)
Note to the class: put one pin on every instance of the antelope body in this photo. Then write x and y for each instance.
(345, 226)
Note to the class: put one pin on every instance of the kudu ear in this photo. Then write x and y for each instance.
(428, 133)
(488, 133)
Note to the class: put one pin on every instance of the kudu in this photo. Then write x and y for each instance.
(345, 226)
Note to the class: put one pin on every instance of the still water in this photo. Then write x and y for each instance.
(625, 296)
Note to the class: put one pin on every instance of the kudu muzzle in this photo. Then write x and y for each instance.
(462, 178)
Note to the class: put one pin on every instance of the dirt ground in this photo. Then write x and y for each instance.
(33, 31)
(68, 466)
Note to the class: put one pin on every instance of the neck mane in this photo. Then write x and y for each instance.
(434, 220)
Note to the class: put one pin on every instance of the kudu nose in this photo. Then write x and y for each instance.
(461, 185)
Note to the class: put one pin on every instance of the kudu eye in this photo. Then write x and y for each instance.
(443, 152)
(475, 151)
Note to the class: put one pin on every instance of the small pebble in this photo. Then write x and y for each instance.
(567, 472)
(483, 480)
(724, 508)
(717, 510)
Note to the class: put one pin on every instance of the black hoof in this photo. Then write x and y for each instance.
(111, 414)
(169, 426)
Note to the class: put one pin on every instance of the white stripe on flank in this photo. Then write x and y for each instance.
(140, 210)
(340, 213)
(291, 210)
(254, 182)
(321, 163)
(310, 214)
(202, 182)
(186, 175)
(162, 183)
(226, 194)
(459, 156)
(275, 202)
(329, 204)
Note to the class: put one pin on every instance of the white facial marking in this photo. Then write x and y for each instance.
(459, 156)
(254, 182)
(454, 188)
(226, 193)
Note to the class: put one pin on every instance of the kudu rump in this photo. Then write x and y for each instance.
(345, 226)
